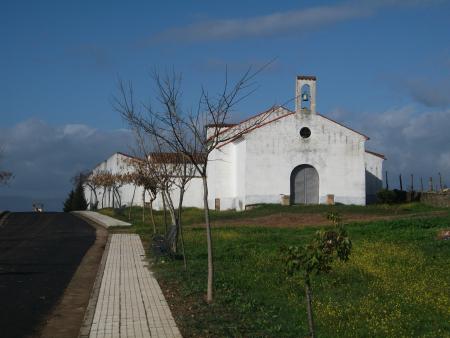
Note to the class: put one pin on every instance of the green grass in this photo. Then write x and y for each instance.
(396, 283)
(193, 216)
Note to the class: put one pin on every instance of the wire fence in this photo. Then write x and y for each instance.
(416, 183)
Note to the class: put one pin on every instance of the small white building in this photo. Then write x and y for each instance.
(299, 155)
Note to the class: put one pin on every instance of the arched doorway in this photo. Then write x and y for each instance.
(304, 185)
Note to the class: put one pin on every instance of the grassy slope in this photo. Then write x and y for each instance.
(192, 216)
(396, 283)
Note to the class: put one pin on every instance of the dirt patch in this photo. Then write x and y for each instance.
(289, 220)
(67, 317)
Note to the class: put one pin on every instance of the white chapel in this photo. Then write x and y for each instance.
(296, 157)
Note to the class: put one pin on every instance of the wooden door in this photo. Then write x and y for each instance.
(305, 185)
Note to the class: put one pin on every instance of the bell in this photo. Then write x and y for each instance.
(305, 97)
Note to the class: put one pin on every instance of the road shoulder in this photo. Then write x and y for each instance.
(67, 317)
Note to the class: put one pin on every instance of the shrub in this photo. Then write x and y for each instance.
(386, 196)
(317, 257)
(400, 196)
(391, 196)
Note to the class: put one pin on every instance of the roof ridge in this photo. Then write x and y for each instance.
(290, 112)
(343, 125)
(375, 154)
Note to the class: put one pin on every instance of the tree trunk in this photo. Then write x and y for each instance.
(165, 212)
(90, 200)
(103, 197)
(151, 215)
(309, 307)
(180, 228)
(96, 197)
(210, 290)
(143, 206)
(113, 198)
(119, 198)
(171, 208)
(131, 204)
(174, 221)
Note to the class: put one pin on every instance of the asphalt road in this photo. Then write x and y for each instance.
(39, 253)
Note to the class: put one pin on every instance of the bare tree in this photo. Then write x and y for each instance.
(110, 183)
(164, 172)
(185, 132)
(143, 176)
(86, 178)
(175, 172)
(119, 181)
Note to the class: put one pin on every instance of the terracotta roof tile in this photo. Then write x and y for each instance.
(174, 157)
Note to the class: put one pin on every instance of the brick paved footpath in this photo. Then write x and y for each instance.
(130, 301)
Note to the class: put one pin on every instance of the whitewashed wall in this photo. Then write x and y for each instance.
(265, 159)
(374, 175)
(221, 167)
(257, 167)
(115, 164)
(193, 196)
(118, 163)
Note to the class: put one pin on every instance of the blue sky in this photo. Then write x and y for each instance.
(383, 67)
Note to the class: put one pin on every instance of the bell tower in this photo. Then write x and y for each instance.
(305, 94)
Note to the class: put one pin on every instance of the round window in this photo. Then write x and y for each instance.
(305, 132)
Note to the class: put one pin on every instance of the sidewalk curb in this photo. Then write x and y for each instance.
(101, 222)
(89, 220)
(90, 309)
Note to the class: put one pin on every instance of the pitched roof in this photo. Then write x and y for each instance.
(376, 154)
(343, 125)
(256, 126)
(174, 157)
(268, 112)
(220, 125)
(129, 156)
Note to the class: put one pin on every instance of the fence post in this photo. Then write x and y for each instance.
(431, 184)
(401, 184)
(387, 182)
(440, 181)
(412, 182)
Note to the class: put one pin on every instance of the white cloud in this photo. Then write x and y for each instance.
(428, 126)
(43, 157)
(414, 141)
(270, 24)
(395, 118)
(77, 129)
(297, 21)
